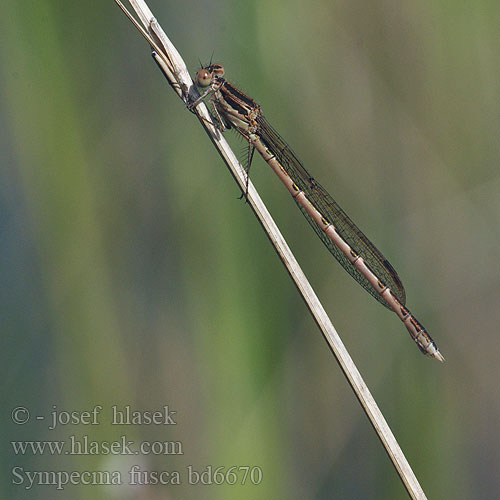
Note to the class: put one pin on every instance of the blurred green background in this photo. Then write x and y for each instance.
(132, 275)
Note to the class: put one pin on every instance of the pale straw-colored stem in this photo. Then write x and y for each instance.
(178, 75)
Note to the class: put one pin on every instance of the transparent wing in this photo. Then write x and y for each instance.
(331, 211)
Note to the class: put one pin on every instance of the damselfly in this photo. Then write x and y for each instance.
(353, 250)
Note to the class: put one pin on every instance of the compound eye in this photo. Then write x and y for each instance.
(203, 78)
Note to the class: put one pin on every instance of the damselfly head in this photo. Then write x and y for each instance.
(208, 75)
(203, 78)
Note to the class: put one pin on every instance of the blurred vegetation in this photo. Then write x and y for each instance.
(132, 275)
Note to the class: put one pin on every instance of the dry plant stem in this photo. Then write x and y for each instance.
(175, 70)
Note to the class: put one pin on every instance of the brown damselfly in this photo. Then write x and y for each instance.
(352, 249)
